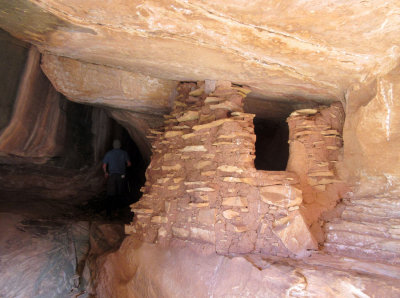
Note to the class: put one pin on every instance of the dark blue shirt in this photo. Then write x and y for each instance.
(116, 160)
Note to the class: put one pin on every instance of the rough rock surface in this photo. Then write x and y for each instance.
(344, 51)
(12, 61)
(146, 270)
(108, 87)
(203, 188)
(37, 127)
(315, 57)
(367, 227)
(49, 246)
(332, 52)
(52, 257)
(372, 127)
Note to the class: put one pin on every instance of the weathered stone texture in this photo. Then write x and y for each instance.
(146, 270)
(108, 87)
(202, 185)
(315, 137)
(36, 130)
(260, 44)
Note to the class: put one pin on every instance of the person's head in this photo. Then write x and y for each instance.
(116, 144)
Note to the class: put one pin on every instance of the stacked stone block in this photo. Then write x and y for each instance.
(315, 137)
(320, 133)
(202, 187)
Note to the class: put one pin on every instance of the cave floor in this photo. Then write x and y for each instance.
(50, 236)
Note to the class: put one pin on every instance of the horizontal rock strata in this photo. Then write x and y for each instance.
(314, 58)
(369, 227)
(146, 270)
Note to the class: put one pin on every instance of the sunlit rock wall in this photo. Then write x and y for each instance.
(261, 44)
(108, 87)
(145, 270)
(372, 134)
(368, 222)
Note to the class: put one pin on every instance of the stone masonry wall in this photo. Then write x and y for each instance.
(202, 187)
(315, 137)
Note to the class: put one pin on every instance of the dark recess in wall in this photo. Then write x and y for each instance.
(135, 176)
(78, 150)
(272, 148)
(135, 173)
(13, 54)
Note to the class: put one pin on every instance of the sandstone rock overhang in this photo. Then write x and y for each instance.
(315, 57)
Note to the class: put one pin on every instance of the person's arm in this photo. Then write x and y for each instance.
(105, 170)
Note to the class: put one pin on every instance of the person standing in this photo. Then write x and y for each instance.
(114, 166)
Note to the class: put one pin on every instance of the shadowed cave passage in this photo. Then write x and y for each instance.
(135, 175)
(52, 216)
(272, 148)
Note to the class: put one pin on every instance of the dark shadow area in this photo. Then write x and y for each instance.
(272, 148)
(78, 152)
(13, 53)
(135, 177)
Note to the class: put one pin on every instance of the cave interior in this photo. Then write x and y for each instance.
(263, 149)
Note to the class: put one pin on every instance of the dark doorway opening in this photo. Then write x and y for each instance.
(135, 176)
(136, 173)
(272, 148)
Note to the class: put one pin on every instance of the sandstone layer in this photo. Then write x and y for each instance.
(146, 270)
(108, 87)
(202, 188)
(334, 50)
(315, 57)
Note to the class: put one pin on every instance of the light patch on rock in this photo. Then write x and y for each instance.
(235, 201)
(249, 181)
(199, 148)
(206, 189)
(202, 164)
(173, 133)
(281, 195)
(189, 116)
(180, 232)
(176, 167)
(229, 214)
(188, 135)
(159, 219)
(295, 234)
(212, 124)
(212, 99)
(162, 232)
(204, 235)
(230, 169)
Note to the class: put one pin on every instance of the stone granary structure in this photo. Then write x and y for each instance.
(202, 185)
(203, 88)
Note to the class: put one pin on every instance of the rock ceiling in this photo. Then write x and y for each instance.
(296, 52)
(128, 55)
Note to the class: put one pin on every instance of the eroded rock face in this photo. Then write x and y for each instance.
(372, 134)
(108, 87)
(37, 127)
(12, 60)
(315, 57)
(146, 270)
(337, 51)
